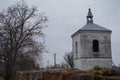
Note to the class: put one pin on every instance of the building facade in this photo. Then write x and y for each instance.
(91, 46)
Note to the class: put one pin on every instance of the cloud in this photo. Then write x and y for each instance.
(67, 16)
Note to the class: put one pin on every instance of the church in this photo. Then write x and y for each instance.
(91, 45)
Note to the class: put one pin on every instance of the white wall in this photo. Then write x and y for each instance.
(86, 58)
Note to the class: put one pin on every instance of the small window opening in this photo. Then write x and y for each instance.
(76, 47)
(89, 19)
(95, 46)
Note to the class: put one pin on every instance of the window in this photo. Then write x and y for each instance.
(76, 47)
(95, 46)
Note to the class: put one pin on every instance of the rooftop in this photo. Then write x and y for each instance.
(90, 26)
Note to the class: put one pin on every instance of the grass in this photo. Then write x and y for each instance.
(1, 78)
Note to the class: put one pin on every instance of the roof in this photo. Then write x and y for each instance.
(90, 26)
(89, 13)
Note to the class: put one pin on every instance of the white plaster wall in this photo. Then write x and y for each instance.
(85, 58)
(77, 63)
(74, 40)
(86, 64)
(90, 63)
(104, 44)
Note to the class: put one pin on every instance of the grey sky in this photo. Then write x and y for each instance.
(67, 16)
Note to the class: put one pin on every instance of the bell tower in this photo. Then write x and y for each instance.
(89, 16)
(91, 45)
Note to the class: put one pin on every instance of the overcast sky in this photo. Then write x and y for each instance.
(67, 16)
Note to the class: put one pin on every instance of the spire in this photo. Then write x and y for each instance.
(89, 16)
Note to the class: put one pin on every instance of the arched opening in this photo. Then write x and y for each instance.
(95, 46)
(76, 47)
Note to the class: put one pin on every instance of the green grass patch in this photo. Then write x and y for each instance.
(1, 78)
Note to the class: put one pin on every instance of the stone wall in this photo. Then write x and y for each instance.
(85, 58)
(89, 63)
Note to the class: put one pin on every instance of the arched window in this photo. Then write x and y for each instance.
(95, 46)
(76, 47)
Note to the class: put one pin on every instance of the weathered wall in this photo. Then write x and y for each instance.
(89, 63)
(78, 40)
(104, 44)
(86, 58)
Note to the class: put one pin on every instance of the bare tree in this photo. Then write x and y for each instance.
(19, 25)
(68, 60)
(26, 63)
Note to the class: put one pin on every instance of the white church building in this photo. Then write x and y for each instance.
(91, 46)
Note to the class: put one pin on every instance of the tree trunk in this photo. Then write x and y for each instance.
(9, 71)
